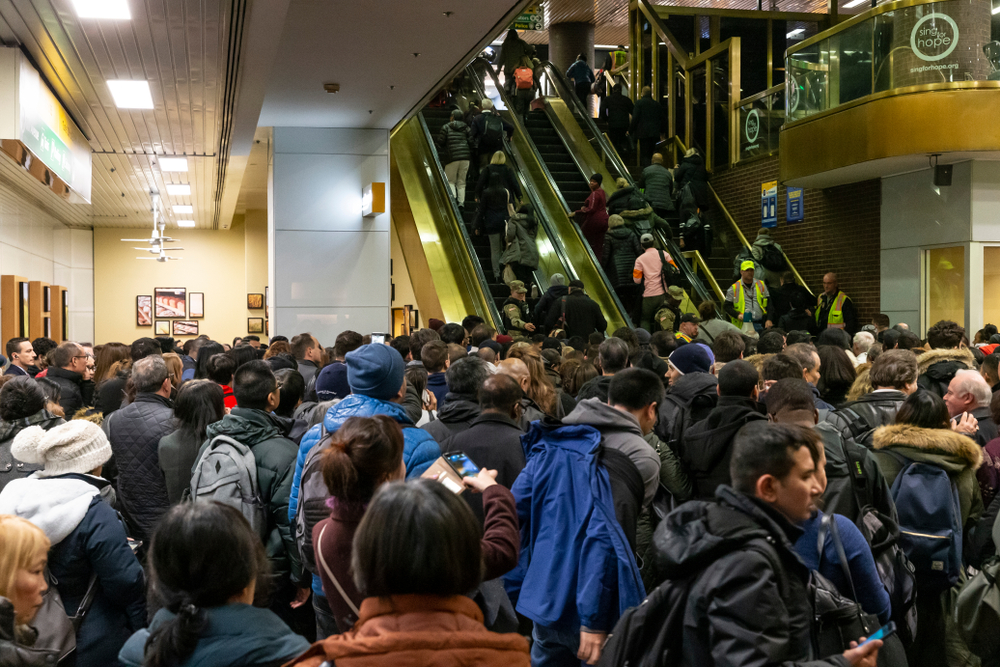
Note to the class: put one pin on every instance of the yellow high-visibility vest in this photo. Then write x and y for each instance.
(739, 300)
(835, 319)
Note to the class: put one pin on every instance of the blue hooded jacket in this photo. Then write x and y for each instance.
(576, 568)
(420, 449)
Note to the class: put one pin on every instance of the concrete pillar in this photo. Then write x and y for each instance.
(329, 264)
(568, 40)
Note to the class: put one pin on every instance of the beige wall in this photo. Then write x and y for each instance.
(213, 262)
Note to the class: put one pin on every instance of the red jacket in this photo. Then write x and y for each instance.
(228, 398)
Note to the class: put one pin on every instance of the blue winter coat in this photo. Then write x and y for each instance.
(235, 634)
(576, 568)
(420, 449)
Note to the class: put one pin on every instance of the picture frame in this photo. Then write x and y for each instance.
(196, 305)
(144, 310)
(170, 301)
(255, 301)
(184, 328)
(255, 325)
(161, 328)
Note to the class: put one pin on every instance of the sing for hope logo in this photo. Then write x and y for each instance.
(752, 127)
(934, 37)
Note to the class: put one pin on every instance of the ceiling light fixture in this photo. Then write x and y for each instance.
(173, 164)
(795, 32)
(102, 9)
(854, 3)
(996, 10)
(185, 223)
(131, 94)
(180, 190)
(183, 209)
(331, 87)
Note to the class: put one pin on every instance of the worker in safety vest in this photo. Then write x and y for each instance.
(748, 301)
(834, 309)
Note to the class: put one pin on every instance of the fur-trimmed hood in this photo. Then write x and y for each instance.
(639, 213)
(944, 446)
(931, 357)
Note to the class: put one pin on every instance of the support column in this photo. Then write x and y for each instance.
(329, 265)
(569, 40)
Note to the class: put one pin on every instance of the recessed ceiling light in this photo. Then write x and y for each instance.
(102, 9)
(795, 32)
(185, 223)
(173, 164)
(183, 209)
(178, 190)
(131, 94)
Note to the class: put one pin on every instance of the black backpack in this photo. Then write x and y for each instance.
(773, 259)
(492, 129)
(313, 495)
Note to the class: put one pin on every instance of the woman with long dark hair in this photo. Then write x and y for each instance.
(206, 352)
(205, 565)
(198, 404)
(836, 374)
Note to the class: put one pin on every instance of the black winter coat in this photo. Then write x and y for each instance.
(551, 296)
(71, 386)
(505, 172)
(177, 454)
(689, 400)
(619, 111)
(457, 415)
(11, 468)
(595, 388)
(707, 446)
(135, 433)
(750, 605)
(583, 316)
(840, 496)
(692, 171)
(454, 140)
(14, 653)
(621, 248)
(874, 409)
(626, 199)
(647, 119)
(98, 545)
(658, 186)
(111, 393)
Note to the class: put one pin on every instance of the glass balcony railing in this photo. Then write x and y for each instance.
(759, 119)
(903, 46)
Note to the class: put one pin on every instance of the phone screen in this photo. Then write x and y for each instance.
(881, 633)
(378, 338)
(462, 465)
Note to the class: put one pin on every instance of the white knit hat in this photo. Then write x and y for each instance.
(76, 446)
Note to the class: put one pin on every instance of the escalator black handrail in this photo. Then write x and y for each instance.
(459, 218)
(556, 240)
(570, 98)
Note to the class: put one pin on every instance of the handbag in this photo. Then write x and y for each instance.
(977, 611)
(56, 629)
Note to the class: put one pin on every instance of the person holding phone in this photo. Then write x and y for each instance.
(366, 453)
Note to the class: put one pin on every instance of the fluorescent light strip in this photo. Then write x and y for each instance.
(173, 163)
(795, 32)
(102, 9)
(185, 223)
(181, 190)
(996, 10)
(131, 94)
(854, 3)
(183, 209)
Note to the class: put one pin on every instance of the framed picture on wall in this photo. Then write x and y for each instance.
(185, 328)
(144, 310)
(170, 301)
(196, 304)
(255, 301)
(255, 325)
(162, 328)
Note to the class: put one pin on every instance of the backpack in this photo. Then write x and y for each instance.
(313, 494)
(524, 78)
(492, 129)
(977, 612)
(930, 521)
(681, 416)
(857, 430)
(226, 472)
(773, 259)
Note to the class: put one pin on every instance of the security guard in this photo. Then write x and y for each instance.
(516, 313)
(834, 309)
(669, 315)
(748, 300)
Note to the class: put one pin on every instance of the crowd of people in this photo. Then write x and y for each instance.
(704, 497)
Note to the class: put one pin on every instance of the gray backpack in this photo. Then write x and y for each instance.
(313, 495)
(226, 472)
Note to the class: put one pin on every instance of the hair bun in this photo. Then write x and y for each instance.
(27, 445)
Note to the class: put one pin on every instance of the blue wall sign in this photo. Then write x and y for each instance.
(769, 204)
(796, 206)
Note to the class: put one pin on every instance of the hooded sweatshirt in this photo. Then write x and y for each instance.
(708, 445)
(620, 430)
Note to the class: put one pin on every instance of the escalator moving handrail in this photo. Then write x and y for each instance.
(460, 220)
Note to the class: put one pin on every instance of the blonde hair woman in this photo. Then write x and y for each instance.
(22, 585)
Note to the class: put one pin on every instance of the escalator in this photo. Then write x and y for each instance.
(557, 158)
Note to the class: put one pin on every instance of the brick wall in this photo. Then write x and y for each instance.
(840, 233)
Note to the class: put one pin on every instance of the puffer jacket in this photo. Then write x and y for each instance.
(658, 186)
(87, 539)
(458, 413)
(454, 139)
(956, 454)
(707, 446)
(520, 237)
(419, 629)
(74, 392)
(626, 199)
(938, 367)
(16, 641)
(420, 449)
(621, 247)
(275, 455)
(135, 431)
(11, 468)
(749, 603)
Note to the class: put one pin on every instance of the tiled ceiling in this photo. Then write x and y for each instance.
(181, 48)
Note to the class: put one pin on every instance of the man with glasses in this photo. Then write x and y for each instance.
(69, 364)
(21, 355)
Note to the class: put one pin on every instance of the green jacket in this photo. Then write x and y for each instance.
(957, 454)
(275, 456)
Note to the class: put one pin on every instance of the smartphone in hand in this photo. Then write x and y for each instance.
(883, 632)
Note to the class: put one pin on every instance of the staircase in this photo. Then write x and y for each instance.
(436, 118)
(571, 184)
